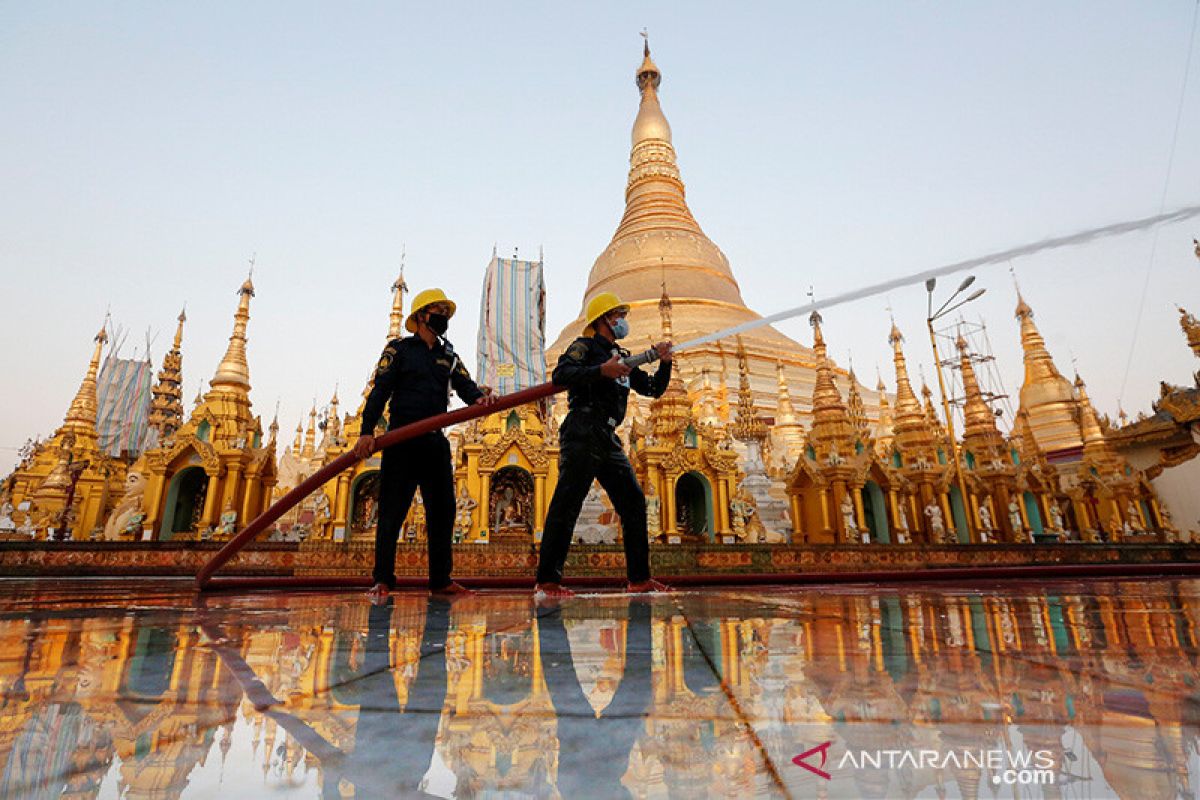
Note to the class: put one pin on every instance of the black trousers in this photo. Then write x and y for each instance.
(593, 750)
(590, 450)
(393, 749)
(424, 462)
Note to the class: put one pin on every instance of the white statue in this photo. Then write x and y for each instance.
(1014, 517)
(6, 520)
(936, 525)
(229, 521)
(1134, 516)
(1056, 516)
(653, 512)
(834, 457)
(902, 532)
(848, 521)
(27, 527)
(120, 521)
(985, 520)
(464, 508)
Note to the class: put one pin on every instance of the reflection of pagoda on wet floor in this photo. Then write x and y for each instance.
(689, 697)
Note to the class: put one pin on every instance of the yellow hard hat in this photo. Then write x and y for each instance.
(600, 305)
(423, 299)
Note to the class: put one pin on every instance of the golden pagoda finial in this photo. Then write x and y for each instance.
(166, 404)
(785, 411)
(1045, 393)
(81, 414)
(1089, 425)
(299, 436)
(182, 318)
(831, 431)
(310, 435)
(274, 429)
(399, 287)
(854, 404)
(748, 425)
(233, 371)
(977, 416)
(908, 409)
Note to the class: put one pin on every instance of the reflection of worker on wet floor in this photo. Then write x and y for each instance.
(594, 750)
(392, 748)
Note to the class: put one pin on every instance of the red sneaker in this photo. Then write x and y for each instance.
(646, 587)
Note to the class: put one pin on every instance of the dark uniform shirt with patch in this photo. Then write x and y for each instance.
(417, 379)
(589, 391)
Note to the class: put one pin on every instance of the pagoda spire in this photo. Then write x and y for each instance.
(908, 408)
(785, 411)
(166, 405)
(1046, 395)
(396, 318)
(80, 419)
(234, 372)
(855, 406)
(748, 425)
(978, 417)
(885, 433)
(827, 401)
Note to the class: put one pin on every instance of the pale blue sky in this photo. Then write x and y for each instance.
(148, 149)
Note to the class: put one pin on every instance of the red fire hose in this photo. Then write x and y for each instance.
(343, 462)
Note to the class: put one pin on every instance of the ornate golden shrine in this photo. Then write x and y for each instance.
(215, 473)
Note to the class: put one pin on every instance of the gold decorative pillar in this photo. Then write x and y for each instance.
(210, 502)
(668, 504)
(797, 515)
(721, 521)
(539, 502)
(825, 526)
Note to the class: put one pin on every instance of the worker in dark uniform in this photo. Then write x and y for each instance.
(598, 391)
(415, 373)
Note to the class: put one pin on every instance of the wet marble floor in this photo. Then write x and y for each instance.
(140, 689)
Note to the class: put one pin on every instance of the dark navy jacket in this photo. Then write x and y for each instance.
(590, 392)
(417, 379)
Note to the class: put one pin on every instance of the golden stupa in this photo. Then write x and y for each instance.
(659, 246)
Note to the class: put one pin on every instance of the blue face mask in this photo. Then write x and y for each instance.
(620, 328)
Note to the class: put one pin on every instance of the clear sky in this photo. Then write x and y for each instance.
(148, 149)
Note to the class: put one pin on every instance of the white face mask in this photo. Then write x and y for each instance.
(620, 328)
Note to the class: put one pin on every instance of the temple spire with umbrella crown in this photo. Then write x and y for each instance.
(80, 419)
(1047, 397)
(234, 372)
(908, 408)
(166, 405)
(883, 437)
(396, 319)
(978, 419)
(827, 401)
(855, 406)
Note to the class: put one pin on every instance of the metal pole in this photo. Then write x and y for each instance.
(962, 484)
